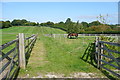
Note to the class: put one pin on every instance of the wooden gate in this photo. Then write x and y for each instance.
(13, 56)
(108, 56)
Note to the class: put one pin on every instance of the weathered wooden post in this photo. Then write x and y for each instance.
(53, 35)
(101, 52)
(98, 52)
(22, 61)
(96, 44)
(17, 47)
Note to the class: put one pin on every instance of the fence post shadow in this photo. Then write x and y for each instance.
(17, 73)
(108, 75)
(89, 55)
(28, 53)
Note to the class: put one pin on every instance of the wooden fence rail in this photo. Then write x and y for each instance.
(12, 56)
(106, 56)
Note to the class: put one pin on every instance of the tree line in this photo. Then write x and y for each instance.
(76, 27)
(69, 26)
(17, 22)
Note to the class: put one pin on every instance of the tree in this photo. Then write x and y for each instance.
(70, 28)
(60, 25)
(37, 24)
(68, 21)
(50, 24)
(16, 22)
(32, 24)
(77, 27)
(94, 23)
(6, 24)
(1, 24)
(23, 21)
(85, 24)
(69, 25)
(100, 28)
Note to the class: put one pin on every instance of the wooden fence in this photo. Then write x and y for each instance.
(108, 56)
(13, 55)
(80, 35)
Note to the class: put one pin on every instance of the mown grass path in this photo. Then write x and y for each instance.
(60, 57)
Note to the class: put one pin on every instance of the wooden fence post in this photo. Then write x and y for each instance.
(22, 61)
(96, 43)
(101, 52)
(98, 51)
(17, 47)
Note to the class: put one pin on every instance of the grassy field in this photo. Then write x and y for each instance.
(59, 56)
(10, 33)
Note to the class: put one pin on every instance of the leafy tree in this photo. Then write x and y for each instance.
(1, 24)
(50, 24)
(61, 22)
(94, 23)
(100, 28)
(85, 24)
(6, 24)
(77, 27)
(32, 24)
(42, 24)
(37, 24)
(68, 21)
(69, 26)
(16, 22)
(60, 25)
(23, 21)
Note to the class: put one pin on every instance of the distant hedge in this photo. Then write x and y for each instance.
(105, 32)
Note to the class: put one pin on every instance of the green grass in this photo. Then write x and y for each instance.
(9, 34)
(58, 55)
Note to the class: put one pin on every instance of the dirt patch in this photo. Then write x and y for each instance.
(73, 75)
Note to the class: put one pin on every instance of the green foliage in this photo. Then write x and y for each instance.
(60, 25)
(100, 28)
(29, 30)
(85, 24)
(5, 24)
(94, 23)
(16, 22)
(68, 21)
(107, 39)
(61, 56)
(23, 22)
(51, 24)
(73, 27)
(110, 47)
(77, 27)
(69, 26)
(48, 24)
